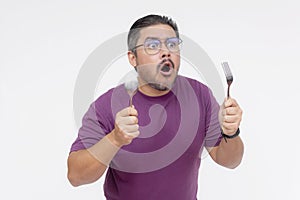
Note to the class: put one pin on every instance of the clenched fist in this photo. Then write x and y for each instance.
(230, 116)
(126, 126)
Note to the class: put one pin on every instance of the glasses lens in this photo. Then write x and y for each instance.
(173, 44)
(152, 46)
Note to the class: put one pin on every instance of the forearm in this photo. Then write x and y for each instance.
(229, 154)
(88, 165)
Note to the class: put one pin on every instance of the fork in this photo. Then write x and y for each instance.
(228, 74)
(131, 85)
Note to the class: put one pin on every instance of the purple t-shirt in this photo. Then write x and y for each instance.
(163, 162)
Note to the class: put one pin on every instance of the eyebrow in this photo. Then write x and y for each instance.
(154, 38)
(151, 38)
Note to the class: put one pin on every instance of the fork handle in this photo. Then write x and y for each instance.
(228, 95)
(130, 101)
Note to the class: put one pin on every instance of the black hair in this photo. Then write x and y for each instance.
(146, 21)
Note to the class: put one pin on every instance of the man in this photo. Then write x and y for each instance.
(153, 148)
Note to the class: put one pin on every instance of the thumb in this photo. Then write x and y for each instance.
(228, 102)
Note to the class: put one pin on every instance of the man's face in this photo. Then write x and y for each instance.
(159, 70)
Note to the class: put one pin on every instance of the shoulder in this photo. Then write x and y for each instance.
(197, 86)
(191, 88)
(112, 101)
(105, 98)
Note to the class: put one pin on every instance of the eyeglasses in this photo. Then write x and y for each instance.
(153, 46)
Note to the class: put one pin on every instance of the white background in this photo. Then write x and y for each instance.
(43, 45)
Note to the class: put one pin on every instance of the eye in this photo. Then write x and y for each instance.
(152, 44)
(172, 45)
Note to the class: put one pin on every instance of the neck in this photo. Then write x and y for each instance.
(148, 90)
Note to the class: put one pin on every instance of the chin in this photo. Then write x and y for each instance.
(163, 86)
(158, 86)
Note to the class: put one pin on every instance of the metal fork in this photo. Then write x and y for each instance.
(228, 74)
(131, 85)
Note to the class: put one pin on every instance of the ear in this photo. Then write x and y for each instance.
(131, 58)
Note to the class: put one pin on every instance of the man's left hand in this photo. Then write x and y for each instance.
(230, 116)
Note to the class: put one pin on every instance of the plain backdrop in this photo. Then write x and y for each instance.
(43, 45)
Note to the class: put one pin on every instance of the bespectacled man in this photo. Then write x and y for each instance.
(151, 150)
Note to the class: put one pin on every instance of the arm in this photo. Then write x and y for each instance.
(229, 154)
(83, 168)
(88, 165)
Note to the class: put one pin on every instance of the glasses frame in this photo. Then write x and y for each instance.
(160, 45)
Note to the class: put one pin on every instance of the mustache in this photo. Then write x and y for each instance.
(165, 60)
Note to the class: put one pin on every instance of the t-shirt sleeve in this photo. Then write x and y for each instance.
(92, 130)
(213, 131)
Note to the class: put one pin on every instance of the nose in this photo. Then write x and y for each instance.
(164, 52)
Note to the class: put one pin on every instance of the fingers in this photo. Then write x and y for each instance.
(230, 102)
(126, 125)
(129, 128)
(232, 127)
(230, 107)
(128, 120)
(231, 111)
(230, 116)
(129, 111)
(134, 134)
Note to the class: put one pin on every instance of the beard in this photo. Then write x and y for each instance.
(159, 87)
(151, 75)
(164, 85)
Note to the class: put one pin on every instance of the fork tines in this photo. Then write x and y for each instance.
(227, 71)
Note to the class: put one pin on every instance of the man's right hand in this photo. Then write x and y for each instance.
(126, 127)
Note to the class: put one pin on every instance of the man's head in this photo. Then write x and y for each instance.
(154, 51)
(149, 20)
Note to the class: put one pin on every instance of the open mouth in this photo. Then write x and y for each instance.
(166, 68)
